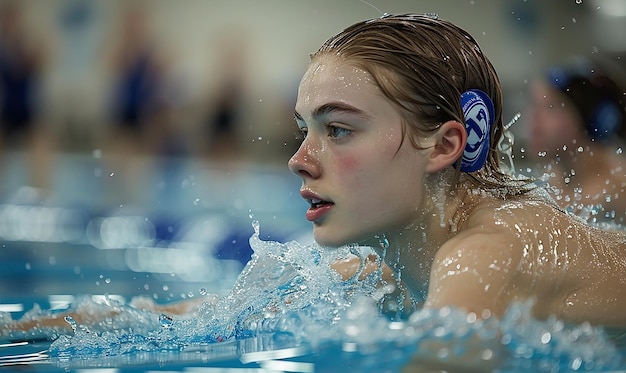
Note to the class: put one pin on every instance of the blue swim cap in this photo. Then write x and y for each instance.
(596, 97)
(479, 113)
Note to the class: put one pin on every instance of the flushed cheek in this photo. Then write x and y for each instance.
(348, 164)
(355, 172)
(363, 160)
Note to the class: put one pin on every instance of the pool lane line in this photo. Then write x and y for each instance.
(285, 353)
(35, 357)
(14, 344)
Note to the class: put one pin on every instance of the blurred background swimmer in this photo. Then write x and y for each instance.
(145, 124)
(21, 120)
(577, 128)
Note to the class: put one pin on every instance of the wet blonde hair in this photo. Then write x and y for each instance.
(423, 64)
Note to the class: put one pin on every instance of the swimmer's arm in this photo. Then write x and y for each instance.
(58, 320)
(471, 275)
(179, 308)
(348, 267)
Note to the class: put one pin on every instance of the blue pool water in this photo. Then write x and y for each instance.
(282, 311)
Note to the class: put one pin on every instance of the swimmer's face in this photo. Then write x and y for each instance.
(554, 123)
(360, 173)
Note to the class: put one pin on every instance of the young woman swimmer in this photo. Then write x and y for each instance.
(401, 117)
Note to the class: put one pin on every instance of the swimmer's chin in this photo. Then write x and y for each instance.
(331, 242)
(336, 242)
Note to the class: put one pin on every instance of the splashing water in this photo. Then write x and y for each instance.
(289, 292)
(505, 146)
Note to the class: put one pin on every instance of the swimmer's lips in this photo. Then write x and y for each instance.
(318, 208)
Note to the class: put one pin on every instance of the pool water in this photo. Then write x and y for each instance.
(250, 355)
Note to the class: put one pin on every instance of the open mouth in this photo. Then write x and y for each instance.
(319, 208)
(315, 203)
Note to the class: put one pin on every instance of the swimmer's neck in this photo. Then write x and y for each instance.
(414, 247)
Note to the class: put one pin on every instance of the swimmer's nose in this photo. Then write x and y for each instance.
(303, 163)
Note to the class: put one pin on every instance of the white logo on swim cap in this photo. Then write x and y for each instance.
(478, 112)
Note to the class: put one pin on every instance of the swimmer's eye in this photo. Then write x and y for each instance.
(337, 132)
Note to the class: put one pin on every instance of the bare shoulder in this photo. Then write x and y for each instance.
(492, 228)
(514, 250)
(473, 271)
(476, 269)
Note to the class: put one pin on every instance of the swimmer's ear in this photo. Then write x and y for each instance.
(450, 139)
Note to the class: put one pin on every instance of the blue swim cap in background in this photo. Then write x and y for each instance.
(478, 113)
(594, 95)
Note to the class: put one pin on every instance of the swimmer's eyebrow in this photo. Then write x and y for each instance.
(333, 107)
